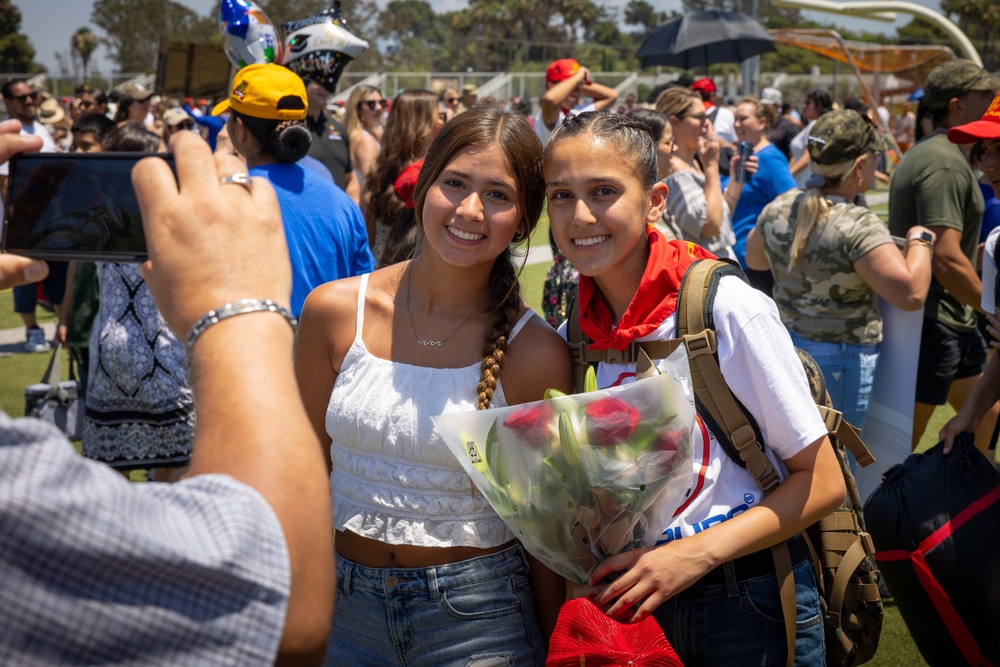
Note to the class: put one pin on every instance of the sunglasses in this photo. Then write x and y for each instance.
(24, 98)
(86, 105)
(373, 104)
(697, 116)
(452, 100)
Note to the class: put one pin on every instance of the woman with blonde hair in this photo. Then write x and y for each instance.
(409, 130)
(830, 258)
(696, 200)
(364, 128)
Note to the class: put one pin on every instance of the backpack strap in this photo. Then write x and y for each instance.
(695, 326)
(583, 355)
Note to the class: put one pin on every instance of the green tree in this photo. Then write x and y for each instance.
(82, 45)
(643, 15)
(16, 52)
(980, 21)
(135, 29)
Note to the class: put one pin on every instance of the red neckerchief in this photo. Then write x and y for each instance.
(708, 105)
(654, 301)
(406, 185)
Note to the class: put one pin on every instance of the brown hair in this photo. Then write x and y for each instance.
(765, 112)
(630, 135)
(405, 140)
(490, 127)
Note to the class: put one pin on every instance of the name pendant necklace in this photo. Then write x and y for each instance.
(413, 328)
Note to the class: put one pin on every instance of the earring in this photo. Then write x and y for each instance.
(519, 235)
(861, 181)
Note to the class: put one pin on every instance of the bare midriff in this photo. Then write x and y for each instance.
(372, 553)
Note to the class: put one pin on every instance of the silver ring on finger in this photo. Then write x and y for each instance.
(239, 178)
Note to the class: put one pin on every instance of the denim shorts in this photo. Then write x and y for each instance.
(849, 370)
(740, 622)
(475, 613)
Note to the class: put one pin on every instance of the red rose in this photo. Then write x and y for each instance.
(610, 422)
(532, 424)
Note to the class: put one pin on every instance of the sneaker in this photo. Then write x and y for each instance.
(36, 341)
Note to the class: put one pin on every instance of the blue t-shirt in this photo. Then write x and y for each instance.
(772, 178)
(324, 229)
(991, 216)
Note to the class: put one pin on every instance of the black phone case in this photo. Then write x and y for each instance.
(34, 186)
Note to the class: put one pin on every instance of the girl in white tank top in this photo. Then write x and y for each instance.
(427, 572)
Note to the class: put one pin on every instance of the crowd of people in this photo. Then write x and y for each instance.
(387, 236)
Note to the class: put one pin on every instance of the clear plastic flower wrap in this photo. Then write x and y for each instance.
(583, 477)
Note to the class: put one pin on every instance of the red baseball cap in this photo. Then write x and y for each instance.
(704, 85)
(987, 127)
(584, 635)
(560, 70)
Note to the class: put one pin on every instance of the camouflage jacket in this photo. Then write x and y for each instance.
(823, 298)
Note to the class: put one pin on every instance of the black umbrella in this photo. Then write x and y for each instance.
(704, 38)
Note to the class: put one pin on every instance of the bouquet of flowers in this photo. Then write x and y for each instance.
(583, 477)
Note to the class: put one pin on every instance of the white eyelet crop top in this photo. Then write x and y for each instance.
(394, 479)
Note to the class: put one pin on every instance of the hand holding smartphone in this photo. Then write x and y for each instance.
(80, 206)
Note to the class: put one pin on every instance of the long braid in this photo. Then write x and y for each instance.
(504, 304)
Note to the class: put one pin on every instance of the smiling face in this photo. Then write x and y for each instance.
(472, 209)
(599, 209)
(22, 103)
(747, 125)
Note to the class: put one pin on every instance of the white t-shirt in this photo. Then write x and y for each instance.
(544, 132)
(39, 130)
(989, 270)
(759, 363)
(798, 146)
(725, 122)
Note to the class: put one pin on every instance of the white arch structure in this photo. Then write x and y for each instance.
(886, 11)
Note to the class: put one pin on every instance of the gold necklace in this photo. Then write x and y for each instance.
(428, 342)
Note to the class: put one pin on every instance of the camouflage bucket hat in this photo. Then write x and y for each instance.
(954, 79)
(839, 136)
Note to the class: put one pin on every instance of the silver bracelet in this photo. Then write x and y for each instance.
(235, 308)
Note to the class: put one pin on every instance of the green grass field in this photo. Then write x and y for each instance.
(896, 648)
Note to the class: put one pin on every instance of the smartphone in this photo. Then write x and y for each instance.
(78, 206)
(744, 149)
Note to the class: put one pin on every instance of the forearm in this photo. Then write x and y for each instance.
(713, 204)
(956, 275)
(261, 436)
(799, 164)
(798, 501)
(985, 393)
(732, 194)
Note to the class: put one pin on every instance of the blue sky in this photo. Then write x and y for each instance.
(49, 24)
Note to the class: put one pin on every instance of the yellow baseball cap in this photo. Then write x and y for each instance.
(266, 90)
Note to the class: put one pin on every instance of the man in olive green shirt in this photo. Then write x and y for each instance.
(934, 186)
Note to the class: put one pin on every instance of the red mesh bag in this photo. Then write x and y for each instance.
(586, 637)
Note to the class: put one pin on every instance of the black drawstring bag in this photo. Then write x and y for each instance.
(935, 522)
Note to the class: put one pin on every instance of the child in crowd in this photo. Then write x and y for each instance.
(428, 574)
(710, 580)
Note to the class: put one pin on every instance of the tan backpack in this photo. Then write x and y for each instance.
(840, 545)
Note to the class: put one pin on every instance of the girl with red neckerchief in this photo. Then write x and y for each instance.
(709, 581)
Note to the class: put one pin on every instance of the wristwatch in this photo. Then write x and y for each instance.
(921, 238)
